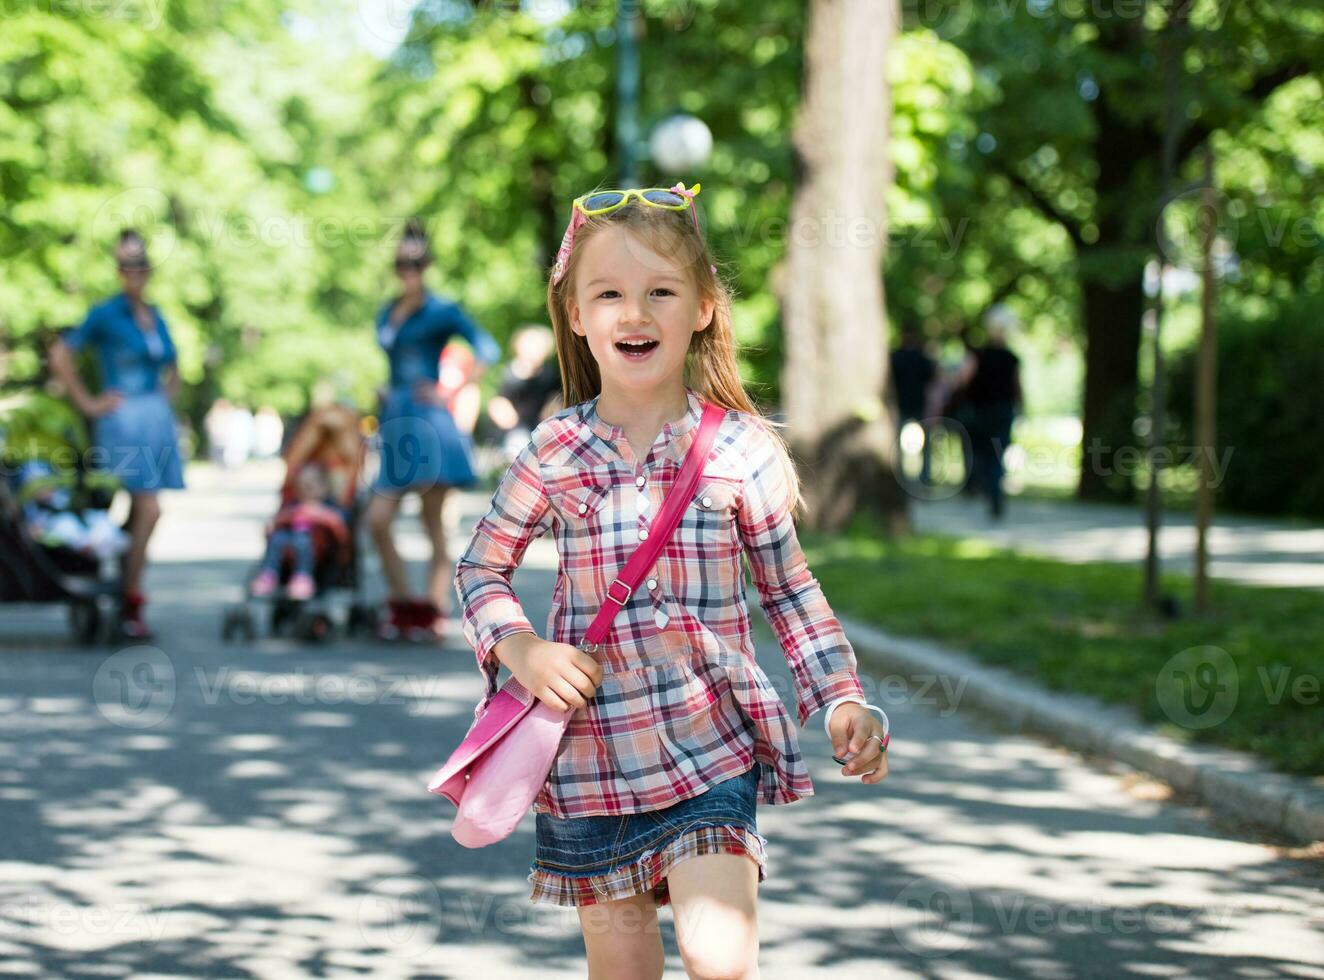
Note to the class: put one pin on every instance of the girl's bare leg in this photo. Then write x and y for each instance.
(440, 572)
(381, 512)
(622, 939)
(714, 898)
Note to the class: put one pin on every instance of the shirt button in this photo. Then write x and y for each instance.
(707, 501)
(583, 508)
(639, 481)
(652, 583)
(643, 534)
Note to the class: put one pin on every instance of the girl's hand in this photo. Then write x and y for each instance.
(558, 674)
(851, 725)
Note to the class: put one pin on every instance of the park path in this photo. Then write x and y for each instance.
(196, 810)
(1255, 551)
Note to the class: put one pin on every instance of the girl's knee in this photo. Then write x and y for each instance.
(714, 902)
(721, 954)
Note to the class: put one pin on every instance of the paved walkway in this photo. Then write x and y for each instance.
(1250, 550)
(195, 810)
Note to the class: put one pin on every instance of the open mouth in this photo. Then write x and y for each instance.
(636, 348)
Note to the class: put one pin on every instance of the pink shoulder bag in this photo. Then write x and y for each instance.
(503, 762)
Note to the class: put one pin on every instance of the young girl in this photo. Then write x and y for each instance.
(677, 733)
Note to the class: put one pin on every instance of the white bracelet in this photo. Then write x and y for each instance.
(827, 714)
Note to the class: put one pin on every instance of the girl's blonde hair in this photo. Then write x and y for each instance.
(710, 365)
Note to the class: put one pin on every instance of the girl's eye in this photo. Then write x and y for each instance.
(663, 290)
(608, 294)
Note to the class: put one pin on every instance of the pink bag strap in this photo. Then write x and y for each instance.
(668, 519)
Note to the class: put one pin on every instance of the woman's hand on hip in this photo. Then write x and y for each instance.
(851, 726)
(426, 392)
(102, 404)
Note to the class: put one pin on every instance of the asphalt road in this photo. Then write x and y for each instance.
(193, 809)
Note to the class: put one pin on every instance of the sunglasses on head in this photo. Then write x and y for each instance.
(604, 202)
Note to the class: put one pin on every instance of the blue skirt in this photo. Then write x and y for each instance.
(138, 444)
(420, 447)
(588, 860)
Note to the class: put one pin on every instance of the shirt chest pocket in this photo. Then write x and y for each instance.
(578, 496)
(711, 519)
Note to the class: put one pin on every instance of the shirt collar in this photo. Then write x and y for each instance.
(605, 430)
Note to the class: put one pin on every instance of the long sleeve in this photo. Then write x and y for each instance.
(486, 349)
(823, 665)
(518, 514)
(90, 331)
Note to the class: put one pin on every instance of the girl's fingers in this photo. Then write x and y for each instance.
(553, 700)
(879, 774)
(568, 693)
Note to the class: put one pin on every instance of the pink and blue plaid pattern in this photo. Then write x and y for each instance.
(682, 704)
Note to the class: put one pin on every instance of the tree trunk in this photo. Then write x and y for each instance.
(832, 292)
(1112, 313)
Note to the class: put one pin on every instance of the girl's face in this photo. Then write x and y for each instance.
(625, 291)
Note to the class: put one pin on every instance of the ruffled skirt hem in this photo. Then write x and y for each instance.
(648, 873)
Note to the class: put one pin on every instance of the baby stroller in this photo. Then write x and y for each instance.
(327, 443)
(57, 541)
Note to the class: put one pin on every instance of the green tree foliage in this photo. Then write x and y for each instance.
(272, 159)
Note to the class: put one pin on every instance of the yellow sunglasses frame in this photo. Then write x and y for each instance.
(638, 192)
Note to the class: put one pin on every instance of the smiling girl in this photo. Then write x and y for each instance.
(677, 734)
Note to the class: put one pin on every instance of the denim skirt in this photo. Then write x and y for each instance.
(588, 860)
(138, 443)
(421, 447)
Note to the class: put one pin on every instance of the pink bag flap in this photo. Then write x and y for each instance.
(507, 706)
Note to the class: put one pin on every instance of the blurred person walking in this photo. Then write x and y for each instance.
(421, 448)
(133, 425)
(994, 396)
(529, 388)
(913, 373)
(216, 424)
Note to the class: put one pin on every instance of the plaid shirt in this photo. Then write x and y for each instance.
(682, 703)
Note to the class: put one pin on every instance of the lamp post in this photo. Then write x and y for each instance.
(628, 25)
(678, 144)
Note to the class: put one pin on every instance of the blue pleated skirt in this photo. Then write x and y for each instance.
(421, 447)
(138, 443)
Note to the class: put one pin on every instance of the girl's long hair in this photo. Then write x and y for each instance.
(711, 368)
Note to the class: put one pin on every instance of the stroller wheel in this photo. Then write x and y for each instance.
(362, 620)
(238, 622)
(313, 627)
(86, 622)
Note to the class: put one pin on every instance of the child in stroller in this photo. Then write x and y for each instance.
(58, 543)
(54, 522)
(310, 524)
(312, 539)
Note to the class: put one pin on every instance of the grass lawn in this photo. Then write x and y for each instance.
(1080, 628)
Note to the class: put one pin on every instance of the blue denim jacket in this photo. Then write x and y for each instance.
(130, 359)
(414, 348)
